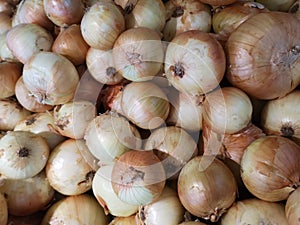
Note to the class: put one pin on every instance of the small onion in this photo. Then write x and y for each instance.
(51, 78)
(277, 5)
(72, 118)
(167, 209)
(9, 74)
(23, 154)
(5, 23)
(24, 40)
(102, 24)
(270, 168)
(194, 62)
(107, 198)
(282, 116)
(27, 196)
(227, 110)
(3, 210)
(138, 54)
(64, 13)
(71, 44)
(292, 207)
(199, 185)
(138, 177)
(67, 211)
(71, 167)
(119, 220)
(254, 211)
(145, 104)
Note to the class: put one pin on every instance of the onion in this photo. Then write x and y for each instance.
(27, 196)
(107, 198)
(71, 167)
(270, 168)
(277, 5)
(145, 104)
(138, 177)
(5, 22)
(167, 209)
(255, 211)
(3, 210)
(138, 54)
(9, 75)
(6, 7)
(24, 40)
(263, 55)
(66, 211)
(199, 184)
(5, 52)
(51, 78)
(129, 220)
(33, 219)
(109, 135)
(64, 13)
(292, 207)
(282, 116)
(194, 62)
(294, 9)
(102, 24)
(23, 154)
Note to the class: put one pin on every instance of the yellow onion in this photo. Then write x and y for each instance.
(23, 154)
(5, 22)
(254, 211)
(51, 78)
(227, 110)
(277, 5)
(66, 211)
(218, 2)
(27, 100)
(167, 209)
(101, 65)
(41, 124)
(119, 220)
(145, 104)
(199, 185)
(282, 116)
(24, 40)
(270, 168)
(186, 15)
(10, 72)
(194, 62)
(138, 177)
(107, 198)
(71, 167)
(146, 13)
(292, 207)
(32, 11)
(109, 135)
(71, 44)
(64, 13)
(138, 54)
(27, 196)
(101, 24)
(174, 146)
(263, 55)
(3, 210)
(11, 113)
(72, 118)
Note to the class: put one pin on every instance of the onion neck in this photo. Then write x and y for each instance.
(178, 11)
(178, 69)
(23, 152)
(287, 131)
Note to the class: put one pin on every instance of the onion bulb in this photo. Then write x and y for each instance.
(71, 167)
(138, 177)
(120, 220)
(23, 154)
(263, 55)
(66, 211)
(9, 74)
(282, 116)
(270, 168)
(27, 196)
(277, 5)
(51, 78)
(254, 211)
(5, 23)
(194, 62)
(5, 52)
(292, 207)
(199, 185)
(3, 210)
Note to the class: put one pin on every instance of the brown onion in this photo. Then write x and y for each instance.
(199, 185)
(292, 207)
(263, 55)
(270, 168)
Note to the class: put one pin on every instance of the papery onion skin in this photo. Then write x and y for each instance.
(66, 211)
(3, 210)
(199, 185)
(263, 56)
(292, 207)
(5, 23)
(9, 75)
(270, 168)
(254, 211)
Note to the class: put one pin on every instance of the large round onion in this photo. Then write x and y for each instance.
(264, 55)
